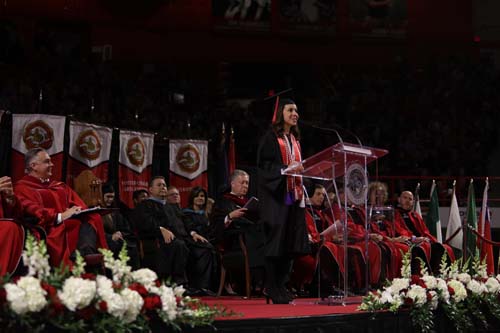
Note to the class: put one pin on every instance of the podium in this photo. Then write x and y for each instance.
(346, 161)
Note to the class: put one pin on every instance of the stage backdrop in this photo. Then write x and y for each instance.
(136, 157)
(37, 130)
(89, 149)
(188, 166)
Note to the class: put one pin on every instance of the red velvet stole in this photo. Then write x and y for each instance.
(293, 183)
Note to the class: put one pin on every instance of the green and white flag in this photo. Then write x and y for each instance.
(432, 219)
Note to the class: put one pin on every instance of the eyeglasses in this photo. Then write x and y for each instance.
(173, 194)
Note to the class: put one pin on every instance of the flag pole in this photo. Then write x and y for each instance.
(484, 207)
(416, 207)
(465, 227)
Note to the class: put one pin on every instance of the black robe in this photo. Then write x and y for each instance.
(117, 222)
(253, 232)
(285, 226)
(181, 259)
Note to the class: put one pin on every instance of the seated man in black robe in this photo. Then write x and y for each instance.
(170, 249)
(230, 219)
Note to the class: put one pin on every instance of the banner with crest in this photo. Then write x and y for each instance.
(136, 157)
(37, 131)
(89, 149)
(188, 166)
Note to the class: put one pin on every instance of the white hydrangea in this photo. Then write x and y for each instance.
(430, 281)
(145, 276)
(26, 295)
(133, 302)
(492, 285)
(476, 287)
(460, 291)
(77, 293)
(399, 284)
(464, 278)
(417, 294)
(116, 305)
(104, 286)
(444, 294)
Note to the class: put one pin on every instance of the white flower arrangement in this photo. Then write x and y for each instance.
(461, 291)
(81, 302)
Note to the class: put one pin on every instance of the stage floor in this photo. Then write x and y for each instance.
(303, 315)
(255, 308)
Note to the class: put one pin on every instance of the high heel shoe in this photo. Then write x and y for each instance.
(275, 295)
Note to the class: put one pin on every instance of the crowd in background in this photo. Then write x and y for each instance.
(449, 104)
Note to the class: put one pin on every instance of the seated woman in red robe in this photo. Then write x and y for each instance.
(11, 233)
(382, 223)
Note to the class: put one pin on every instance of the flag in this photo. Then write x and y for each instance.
(471, 222)
(37, 131)
(89, 149)
(486, 249)
(454, 223)
(188, 166)
(136, 157)
(222, 175)
(417, 207)
(231, 155)
(432, 219)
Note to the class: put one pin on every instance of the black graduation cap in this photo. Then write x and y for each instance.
(282, 97)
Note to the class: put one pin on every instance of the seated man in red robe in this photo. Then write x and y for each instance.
(11, 233)
(410, 225)
(52, 205)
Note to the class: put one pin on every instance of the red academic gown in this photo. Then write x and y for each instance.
(44, 201)
(305, 266)
(395, 249)
(419, 224)
(11, 237)
(356, 234)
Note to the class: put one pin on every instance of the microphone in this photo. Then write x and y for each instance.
(334, 130)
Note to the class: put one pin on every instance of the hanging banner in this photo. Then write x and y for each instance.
(242, 15)
(188, 166)
(136, 157)
(89, 149)
(37, 131)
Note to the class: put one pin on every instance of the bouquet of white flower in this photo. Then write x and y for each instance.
(81, 302)
(465, 294)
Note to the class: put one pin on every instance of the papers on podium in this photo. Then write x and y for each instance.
(334, 230)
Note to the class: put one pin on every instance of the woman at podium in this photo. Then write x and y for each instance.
(282, 198)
